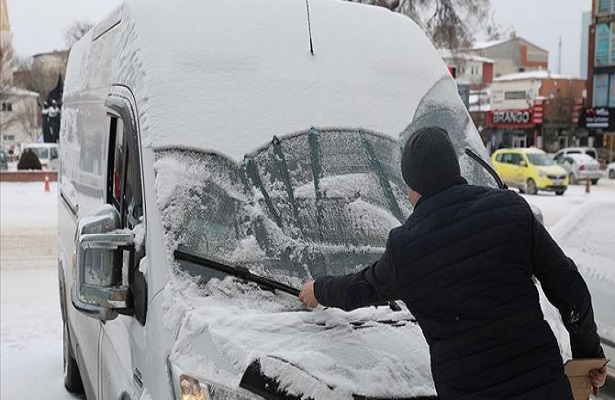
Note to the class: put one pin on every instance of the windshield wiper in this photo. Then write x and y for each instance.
(244, 273)
(240, 272)
(486, 166)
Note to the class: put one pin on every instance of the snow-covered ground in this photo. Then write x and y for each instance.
(31, 329)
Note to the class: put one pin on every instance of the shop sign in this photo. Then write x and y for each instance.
(510, 119)
(597, 118)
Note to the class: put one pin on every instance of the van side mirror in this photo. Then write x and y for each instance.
(98, 289)
(523, 163)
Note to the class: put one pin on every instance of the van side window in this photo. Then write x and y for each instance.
(116, 161)
(123, 193)
(123, 176)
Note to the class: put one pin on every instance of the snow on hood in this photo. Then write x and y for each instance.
(321, 354)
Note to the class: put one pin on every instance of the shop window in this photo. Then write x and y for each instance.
(606, 6)
(7, 107)
(601, 90)
(605, 44)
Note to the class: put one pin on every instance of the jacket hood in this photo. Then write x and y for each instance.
(264, 337)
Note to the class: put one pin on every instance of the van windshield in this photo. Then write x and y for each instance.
(41, 152)
(542, 160)
(310, 204)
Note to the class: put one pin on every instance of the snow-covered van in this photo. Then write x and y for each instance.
(213, 156)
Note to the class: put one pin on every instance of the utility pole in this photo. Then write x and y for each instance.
(559, 56)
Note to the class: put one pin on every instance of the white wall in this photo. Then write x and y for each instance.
(499, 101)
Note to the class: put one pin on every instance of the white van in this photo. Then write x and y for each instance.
(47, 154)
(214, 155)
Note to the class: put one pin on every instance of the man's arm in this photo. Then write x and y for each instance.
(372, 285)
(566, 290)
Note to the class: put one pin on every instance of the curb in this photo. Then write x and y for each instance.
(28, 176)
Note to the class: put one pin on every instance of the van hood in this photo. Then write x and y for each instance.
(241, 336)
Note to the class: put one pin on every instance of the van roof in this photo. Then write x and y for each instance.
(230, 75)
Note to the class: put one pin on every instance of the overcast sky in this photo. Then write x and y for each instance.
(39, 25)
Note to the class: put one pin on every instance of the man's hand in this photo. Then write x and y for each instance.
(598, 377)
(307, 297)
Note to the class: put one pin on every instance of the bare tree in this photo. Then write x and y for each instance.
(76, 31)
(28, 117)
(450, 24)
(6, 87)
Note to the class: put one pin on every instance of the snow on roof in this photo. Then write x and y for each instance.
(537, 74)
(231, 68)
(448, 54)
(15, 91)
(486, 44)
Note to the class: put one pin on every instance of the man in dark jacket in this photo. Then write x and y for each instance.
(463, 263)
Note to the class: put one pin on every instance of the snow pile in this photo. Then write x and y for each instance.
(588, 237)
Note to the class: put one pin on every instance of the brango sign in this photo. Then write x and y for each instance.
(512, 119)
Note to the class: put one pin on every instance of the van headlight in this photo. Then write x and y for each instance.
(187, 387)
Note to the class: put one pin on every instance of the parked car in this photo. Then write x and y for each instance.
(204, 180)
(610, 170)
(530, 170)
(4, 163)
(47, 154)
(590, 151)
(580, 167)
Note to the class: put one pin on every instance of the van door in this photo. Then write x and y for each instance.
(122, 346)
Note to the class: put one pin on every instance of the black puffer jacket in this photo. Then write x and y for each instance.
(463, 263)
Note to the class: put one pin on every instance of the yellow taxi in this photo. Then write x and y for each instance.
(530, 170)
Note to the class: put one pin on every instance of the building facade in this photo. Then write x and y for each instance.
(512, 55)
(598, 117)
(19, 110)
(535, 108)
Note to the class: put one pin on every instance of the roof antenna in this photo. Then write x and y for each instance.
(307, 5)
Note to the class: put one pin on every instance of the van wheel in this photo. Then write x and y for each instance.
(559, 192)
(72, 378)
(612, 174)
(530, 187)
(594, 181)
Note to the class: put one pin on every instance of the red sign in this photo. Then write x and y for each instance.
(538, 109)
(510, 119)
(578, 109)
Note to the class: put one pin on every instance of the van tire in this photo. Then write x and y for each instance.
(530, 187)
(72, 377)
(559, 192)
(594, 181)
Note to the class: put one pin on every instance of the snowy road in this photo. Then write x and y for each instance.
(31, 329)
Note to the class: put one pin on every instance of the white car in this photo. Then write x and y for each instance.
(590, 151)
(580, 167)
(610, 170)
(47, 154)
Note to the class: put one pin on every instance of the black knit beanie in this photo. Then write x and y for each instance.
(429, 163)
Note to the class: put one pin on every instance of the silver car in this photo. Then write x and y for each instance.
(3, 160)
(580, 167)
(610, 170)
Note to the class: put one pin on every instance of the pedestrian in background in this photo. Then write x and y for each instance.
(463, 263)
